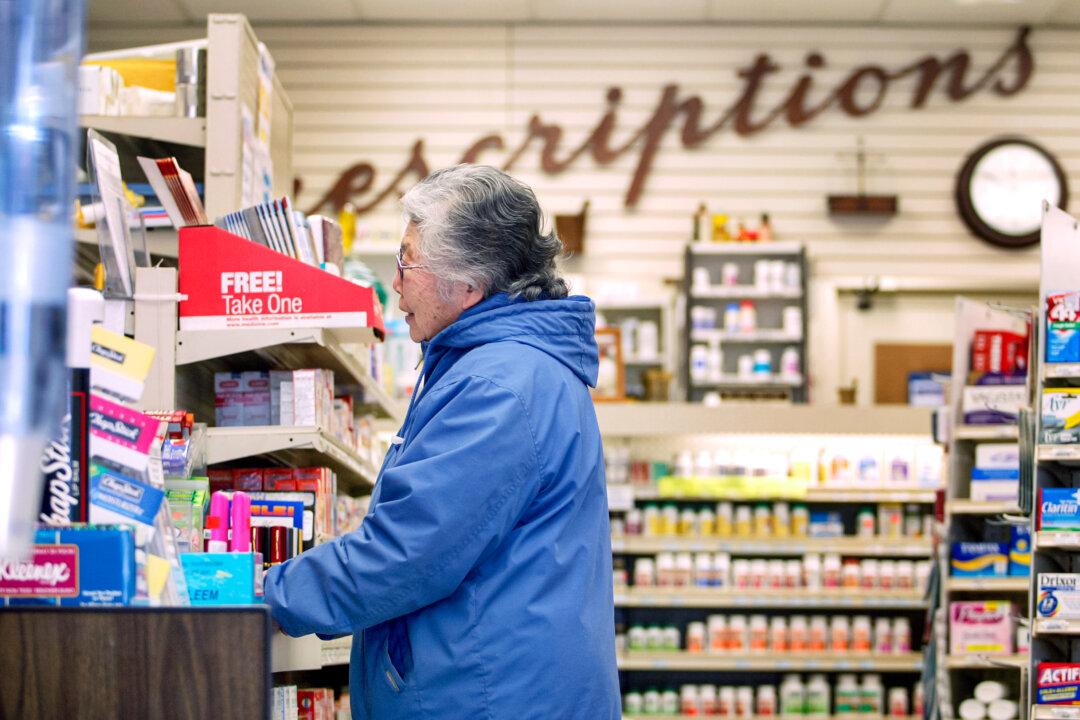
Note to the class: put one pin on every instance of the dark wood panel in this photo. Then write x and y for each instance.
(135, 663)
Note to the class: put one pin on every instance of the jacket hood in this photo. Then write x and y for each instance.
(564, 329)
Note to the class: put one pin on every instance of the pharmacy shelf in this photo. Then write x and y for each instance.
(746, 248)
(1061, 371)
(629, 305)
(981, 661)
(757, 336)
(376, 249)
(852, 546)
(987, 584)
(749, 292)
(811, 495)
(160, 242)
(770, 662)
(295, 446)
(769, 381)
(1050, 712)
(343, 350)
(653, 419)
(773, 717)
(986, 432)
(1057, 539)
(1055, 626)
(183, 131)
(643, 362)
(288, 654)
(1059, 453)
(963, 506)
(789, 598)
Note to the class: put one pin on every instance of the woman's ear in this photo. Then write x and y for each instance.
(472, 296)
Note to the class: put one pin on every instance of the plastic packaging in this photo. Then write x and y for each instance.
(38, 90)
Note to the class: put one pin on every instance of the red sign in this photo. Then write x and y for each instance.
(231, 282)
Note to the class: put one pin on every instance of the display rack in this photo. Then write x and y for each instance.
(658, 430)
(1056, 639)
(628, 315)
(969, 520)
(770, 300)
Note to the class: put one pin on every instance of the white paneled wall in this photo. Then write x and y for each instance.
(366, 94)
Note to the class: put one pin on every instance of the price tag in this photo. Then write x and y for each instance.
(617, 546)
(1055, 624)
(784, 665)
(661, 664)
(843, 665)
(620, 498)
(742, 665)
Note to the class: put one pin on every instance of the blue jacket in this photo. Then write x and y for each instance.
(479, 585)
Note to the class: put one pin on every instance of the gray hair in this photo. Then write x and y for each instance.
(480, 226)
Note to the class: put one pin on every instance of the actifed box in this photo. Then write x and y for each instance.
(231, 282)
(981, 627)
(1058, 596)
(223, 578)
(979, 559)
(1059, 509)
(77, 566)
(1058, 684)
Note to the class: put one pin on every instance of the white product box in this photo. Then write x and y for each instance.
(995, 490)
(998, 400)
(256, 389)
(997, 456)
(228, 399)
(277, 378)
(99, 90)
(1059, 596)
(306, 394)
(287, 417)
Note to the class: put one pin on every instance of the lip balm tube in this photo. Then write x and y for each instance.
(218, 523)
(240, 539)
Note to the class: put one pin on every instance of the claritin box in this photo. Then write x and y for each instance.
(1059, 509)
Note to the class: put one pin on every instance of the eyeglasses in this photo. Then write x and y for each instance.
(402, 266)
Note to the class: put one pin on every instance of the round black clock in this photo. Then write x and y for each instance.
(1000, 189)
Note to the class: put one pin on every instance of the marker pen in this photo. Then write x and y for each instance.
(217, 521)
(240, 538)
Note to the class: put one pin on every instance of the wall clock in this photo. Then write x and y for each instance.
(1000, 189)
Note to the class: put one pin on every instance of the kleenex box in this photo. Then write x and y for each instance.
(223, 578)
(979, 559)
(1059, 509)
(1059, 596)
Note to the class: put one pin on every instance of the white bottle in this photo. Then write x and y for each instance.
(792, 697)
(730, 274)
(871, 700)
(766, 701)
(651, 701)
(669, 703)
(699, 364)
(715, 364)
(690, 700)
(792, 320)
(790, 367)
(847, 697)
(648, 340)
(722, 570)
(817, 698)
(704, 572)
(707, 698)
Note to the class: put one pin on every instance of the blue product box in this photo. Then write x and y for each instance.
(223, 578)
(76, 566)
(1020, 552)
(979, 559)
(1059, 509)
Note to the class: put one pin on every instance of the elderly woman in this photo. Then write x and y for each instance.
(479, 584)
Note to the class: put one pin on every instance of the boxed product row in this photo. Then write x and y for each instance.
(775, 520)
(795, 698)
(813, 571)
(993, 559)
(855, 464)
(740, 634)
(986, 627)
(314, 487)
(769, 275)
(995, 389)
(292, 703)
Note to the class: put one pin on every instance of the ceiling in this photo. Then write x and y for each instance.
(872, 12)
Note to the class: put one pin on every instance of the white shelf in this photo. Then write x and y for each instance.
(630, 305)
(903, 547)
(1061, 370)
(654, 419)
(801, 598)
(757, 336)
(289, 654)
(986, 432)
(184, 131)
(962, 506)
(1055, 626)
(746, 248)
(343, 350)
(771, 381)
(770, 662)
(749, 292)
(988, 584)
(983, 660)
(651, 362)
(1055, 712)
(162, 242)
(296, 446)
(1057, 539)
(1059, 453)
(376, 249)
(814, 494)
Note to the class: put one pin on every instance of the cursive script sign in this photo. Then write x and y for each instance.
(860, 93)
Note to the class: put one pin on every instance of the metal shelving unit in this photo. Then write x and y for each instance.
(182, 131)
